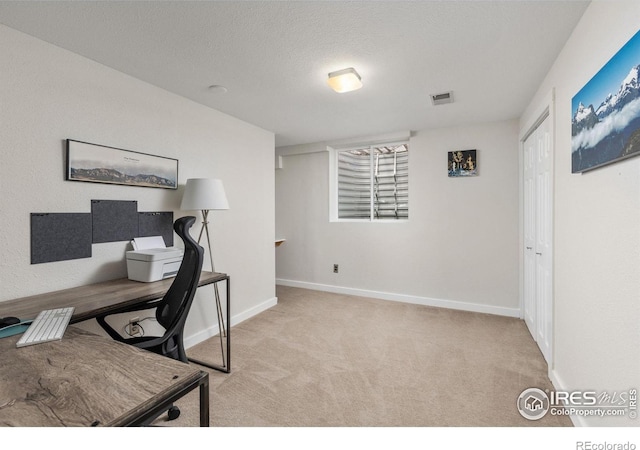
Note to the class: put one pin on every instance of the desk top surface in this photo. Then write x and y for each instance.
(84, 380)
(94, 299)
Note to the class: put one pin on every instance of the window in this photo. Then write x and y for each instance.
(372, 183)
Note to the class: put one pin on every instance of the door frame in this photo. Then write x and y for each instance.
(545, 109)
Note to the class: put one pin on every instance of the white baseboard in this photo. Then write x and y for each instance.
(578, 421)
(426, 301)
(196, 338)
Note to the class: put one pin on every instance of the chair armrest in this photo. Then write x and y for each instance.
(130, 308)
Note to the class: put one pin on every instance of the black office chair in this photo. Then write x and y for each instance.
(172, 309)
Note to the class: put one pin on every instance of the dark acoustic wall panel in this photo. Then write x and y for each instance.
(114, 220)
(60, 236)
(156, 224)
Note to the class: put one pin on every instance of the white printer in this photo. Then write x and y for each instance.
(150, 260)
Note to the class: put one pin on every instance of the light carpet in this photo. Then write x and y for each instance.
(318, 359)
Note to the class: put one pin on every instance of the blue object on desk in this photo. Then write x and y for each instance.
(18, 328)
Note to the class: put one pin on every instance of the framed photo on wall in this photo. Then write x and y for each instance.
(605, 122)
(463, 163)
(101, 164)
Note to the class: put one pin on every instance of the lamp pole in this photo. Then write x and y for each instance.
(221, 325)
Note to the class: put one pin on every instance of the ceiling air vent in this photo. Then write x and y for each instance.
(441, 99)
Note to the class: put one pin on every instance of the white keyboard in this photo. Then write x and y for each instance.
(50, 325)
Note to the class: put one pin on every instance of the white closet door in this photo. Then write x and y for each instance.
(529, 187)
(538, 237)
(544, 224)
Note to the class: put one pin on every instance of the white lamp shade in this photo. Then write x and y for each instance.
(204, 194)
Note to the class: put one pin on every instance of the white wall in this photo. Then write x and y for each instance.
(459, 248)
(597, 228)
(48, 95)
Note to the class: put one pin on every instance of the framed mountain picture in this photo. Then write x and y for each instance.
(101, 164)
(605, 125)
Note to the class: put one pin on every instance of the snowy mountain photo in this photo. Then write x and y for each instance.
(605, 126)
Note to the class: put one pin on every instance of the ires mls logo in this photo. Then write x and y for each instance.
(534, 403)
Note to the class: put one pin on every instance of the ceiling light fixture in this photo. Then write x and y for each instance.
(344, 80)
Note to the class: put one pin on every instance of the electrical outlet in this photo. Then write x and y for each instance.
(134, 327)
(335, 268)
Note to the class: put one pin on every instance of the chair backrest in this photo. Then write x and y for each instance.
(173, 308)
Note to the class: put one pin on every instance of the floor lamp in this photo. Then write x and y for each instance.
(206, 194)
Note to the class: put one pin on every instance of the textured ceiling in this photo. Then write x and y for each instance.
(274, 56)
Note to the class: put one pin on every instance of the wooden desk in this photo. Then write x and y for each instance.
(90, 380)
(99, 298)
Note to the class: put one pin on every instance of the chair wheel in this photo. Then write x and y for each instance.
(173, 412)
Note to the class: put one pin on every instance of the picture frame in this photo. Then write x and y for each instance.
(462, 163)
(96, 163)
(605, 118)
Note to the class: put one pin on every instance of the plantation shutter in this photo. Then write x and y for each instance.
(354, 184)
